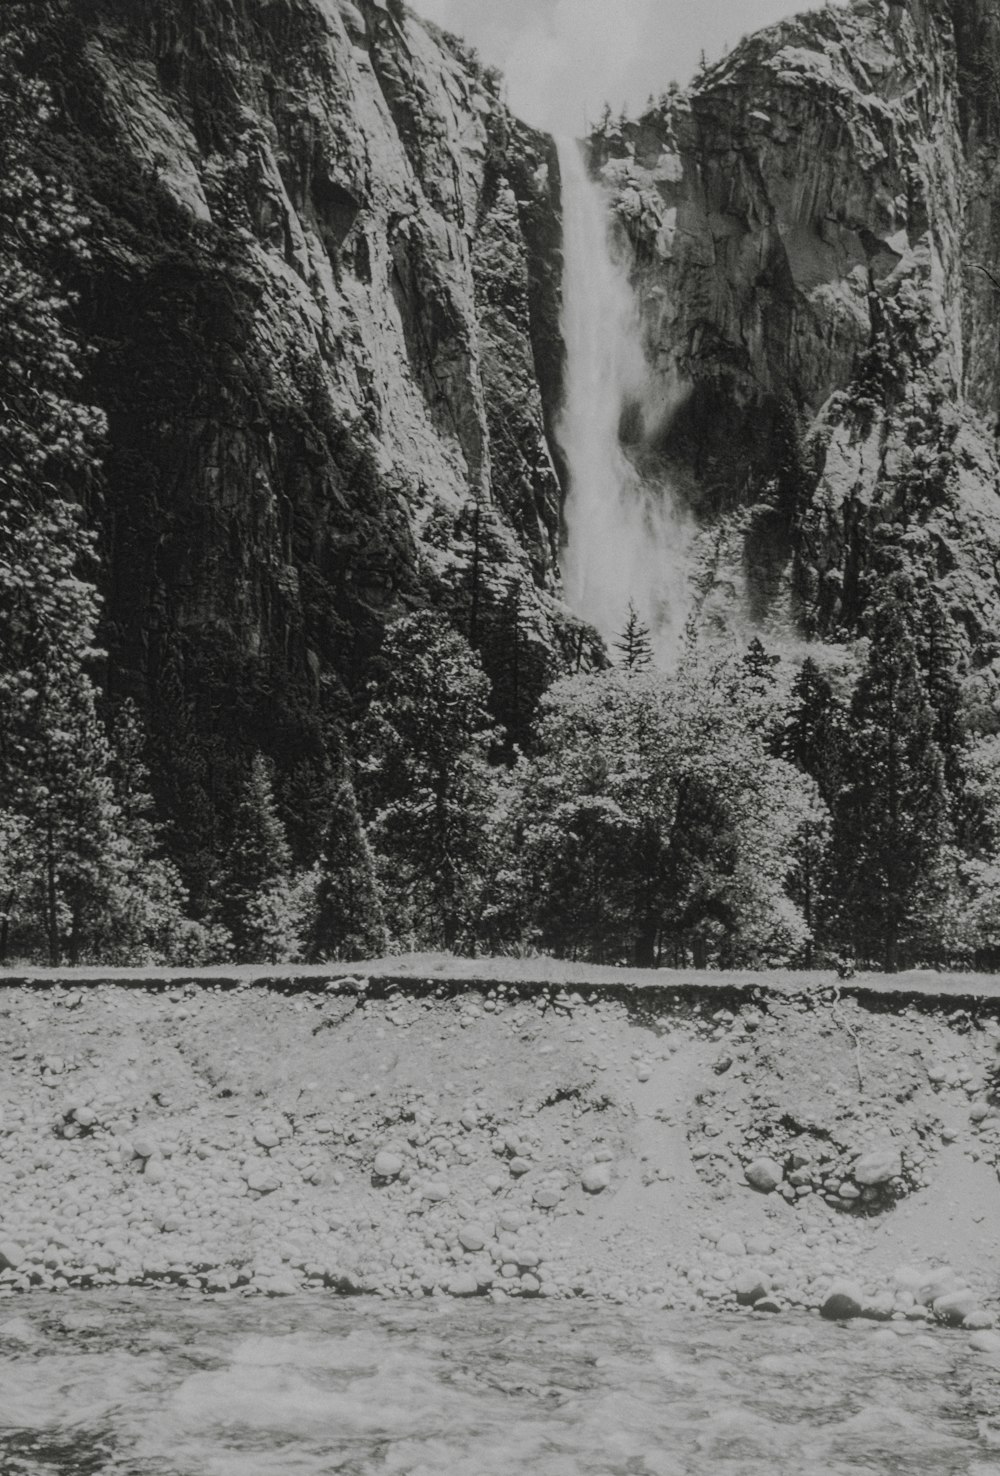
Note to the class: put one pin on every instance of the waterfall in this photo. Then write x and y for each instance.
(625, 534)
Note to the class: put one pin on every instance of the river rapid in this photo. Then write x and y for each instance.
(137, 1383)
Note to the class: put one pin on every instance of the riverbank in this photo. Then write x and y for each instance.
(406, 1132)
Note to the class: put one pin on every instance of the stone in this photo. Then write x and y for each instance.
(387, 1165)
(843, 1300)
(750, 1287)
(880, 1307)
(731, 1245)
(982, 1341)
(463, 1285)
(472, 1237)
(436, 1192)
(263, 1181)
(877, 1166)
(85, 1116)
(764, 1175)
(546, 1198)
(143, 1147)
(953, 1307)
(266, 1136)
(11, 1255)
(938, 1284)
(596, 1178)
(278, 1284)
(530, 1285)
(519, 1167)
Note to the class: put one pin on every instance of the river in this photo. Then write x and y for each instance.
(151, 1383)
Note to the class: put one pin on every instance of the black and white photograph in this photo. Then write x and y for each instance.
(499, 737)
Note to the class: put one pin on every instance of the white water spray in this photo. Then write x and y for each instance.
(625, 533)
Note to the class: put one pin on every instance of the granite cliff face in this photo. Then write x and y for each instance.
(322, 302)
(816, 233)
(322, 298)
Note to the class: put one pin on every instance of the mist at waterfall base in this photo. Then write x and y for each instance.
(626, 534)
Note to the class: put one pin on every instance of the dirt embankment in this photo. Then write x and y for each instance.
(504, 1139)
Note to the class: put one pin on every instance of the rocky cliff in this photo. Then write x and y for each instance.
(817, 239)
(321, 297)
(322, 306)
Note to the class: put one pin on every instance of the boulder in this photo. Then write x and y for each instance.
(877, 1166)
(11, 1255)
(387, 1165)
(843, 1300)
(764, 1175)
(954, 1307)
(463, 1285)
(750, 1287)
(731, 1245)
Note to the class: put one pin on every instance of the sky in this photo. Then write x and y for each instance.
(563, 59)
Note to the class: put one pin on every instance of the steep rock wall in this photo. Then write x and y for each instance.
(811, 225)
(320, 298)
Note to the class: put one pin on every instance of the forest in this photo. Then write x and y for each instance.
(755, 805)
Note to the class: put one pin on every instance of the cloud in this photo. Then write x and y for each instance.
(564, 59)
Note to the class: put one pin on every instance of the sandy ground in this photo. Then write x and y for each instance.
(449, 1139)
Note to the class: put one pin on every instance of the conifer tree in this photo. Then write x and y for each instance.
(349, 921)
(815, 731)
(257, 866)
(424, 777)
(759, 665)
(635, 643)
(891, 822)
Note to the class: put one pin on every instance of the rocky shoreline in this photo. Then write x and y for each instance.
(792, 1151)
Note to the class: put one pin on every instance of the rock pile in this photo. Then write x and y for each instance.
(487, 1143)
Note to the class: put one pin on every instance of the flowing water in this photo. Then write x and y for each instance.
(149, 1383)
(625, 535)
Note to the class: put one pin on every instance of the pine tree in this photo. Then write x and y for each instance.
(258, 862)
(891, 822)
(814, 734)
(425, 779)
(760, 665)
(635, 643)
(349, 921)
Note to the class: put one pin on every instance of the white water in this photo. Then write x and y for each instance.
(626, 535)
(121, 1385)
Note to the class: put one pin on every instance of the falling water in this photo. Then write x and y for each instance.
(625, 534)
